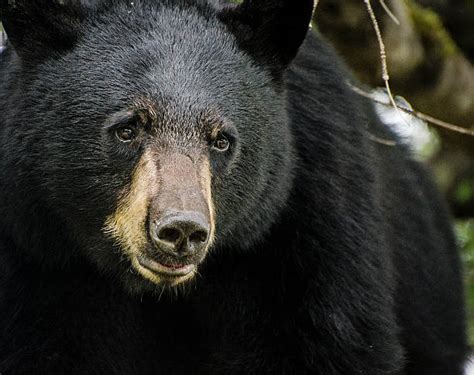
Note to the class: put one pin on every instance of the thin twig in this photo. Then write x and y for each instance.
(429, 119)
(383, 55)
(316, 2)
(382, 141)
(389, 12)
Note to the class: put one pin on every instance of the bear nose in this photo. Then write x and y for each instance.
(183, 233)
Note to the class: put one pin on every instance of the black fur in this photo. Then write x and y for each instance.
(334, 252)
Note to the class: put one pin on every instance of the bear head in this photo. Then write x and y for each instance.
(144, 134)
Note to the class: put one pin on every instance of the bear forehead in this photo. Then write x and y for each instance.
(173, 53)
(160, 24)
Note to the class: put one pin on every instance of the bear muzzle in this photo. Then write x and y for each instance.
(165, 220)
(181, 233)
(180, 219)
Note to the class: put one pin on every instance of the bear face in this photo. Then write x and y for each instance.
(152, 150)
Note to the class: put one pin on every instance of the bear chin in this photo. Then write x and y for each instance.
(139, 280)
(160, 274)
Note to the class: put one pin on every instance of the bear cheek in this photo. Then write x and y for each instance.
(126, 225)
(205, 181)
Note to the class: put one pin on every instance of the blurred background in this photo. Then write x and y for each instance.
(430, 57)
(431, 65)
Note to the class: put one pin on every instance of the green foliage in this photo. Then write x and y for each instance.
(465, 232)
(465, 191)
(431, 28)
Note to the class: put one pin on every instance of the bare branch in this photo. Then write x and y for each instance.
(389, 12)
(383, 54)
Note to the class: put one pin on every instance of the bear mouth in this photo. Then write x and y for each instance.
(159, 272)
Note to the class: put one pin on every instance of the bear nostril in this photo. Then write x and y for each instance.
(198, 236)
(182, 233)
(172, 235)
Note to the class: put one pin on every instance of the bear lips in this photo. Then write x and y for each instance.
(174, 270)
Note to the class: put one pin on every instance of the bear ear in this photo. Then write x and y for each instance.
(36, 28)
(270, 30)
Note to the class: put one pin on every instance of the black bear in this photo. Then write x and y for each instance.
(190, 187)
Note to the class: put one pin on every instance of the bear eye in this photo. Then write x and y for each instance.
(221, 144)
(125, 135)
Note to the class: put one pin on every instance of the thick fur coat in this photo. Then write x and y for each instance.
(331, 253)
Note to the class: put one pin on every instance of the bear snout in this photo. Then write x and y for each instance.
(181, 234)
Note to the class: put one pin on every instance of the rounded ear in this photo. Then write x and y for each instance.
(271, 31)
(38, 27)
